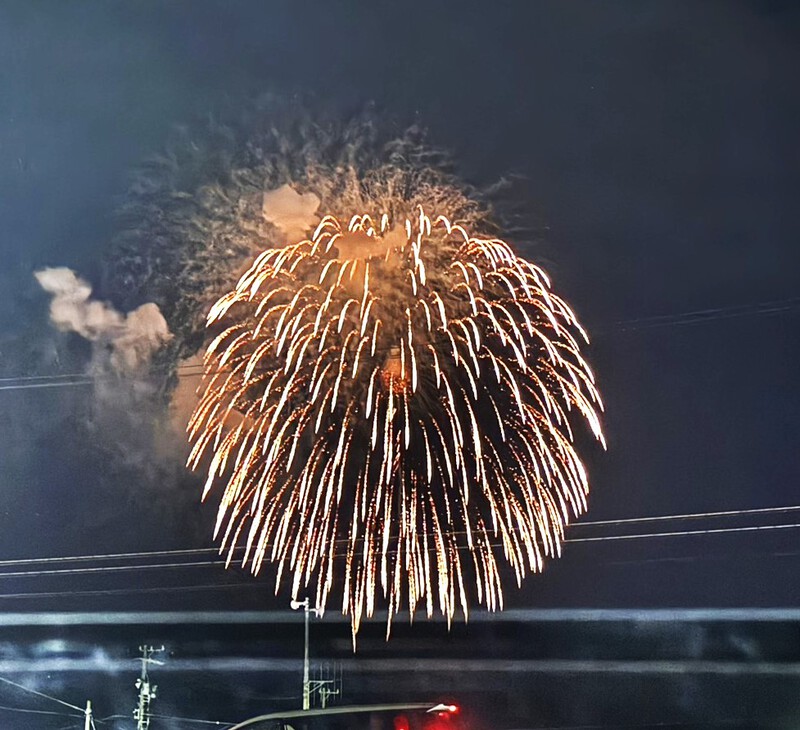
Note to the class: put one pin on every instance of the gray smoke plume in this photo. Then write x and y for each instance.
(126, 342)
(125, 425)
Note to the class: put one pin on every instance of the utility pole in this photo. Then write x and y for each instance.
(147, 691)
(306, 680)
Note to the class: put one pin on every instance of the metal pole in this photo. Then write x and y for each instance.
(296, 605)
(306, 683)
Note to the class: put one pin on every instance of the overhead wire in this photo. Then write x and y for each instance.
(127, 591)
(109, 556)
(43, 377)
(681, 533)
(94, 570)
(700, 316)
(42, 694)
(59, 384)
(239, 586)
(190, 552)
(67, 380)
(105, 569)
(6, 708)
(690, 516)
(217, 723)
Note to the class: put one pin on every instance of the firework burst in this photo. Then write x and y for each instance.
(388, 406)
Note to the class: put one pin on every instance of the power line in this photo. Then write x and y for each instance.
(145, 566)
(689, 516)
(65, 384)
(10, 379)
(6, 708)
(127, 591)
(158, 566)
(199, 551)
(42, 694)
(107, 569)
(217, 723)
(682, 533)
(111, 556)
(253, 585)
(738, 556)
(700, 316)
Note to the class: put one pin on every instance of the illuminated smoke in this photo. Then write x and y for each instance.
(131, 340)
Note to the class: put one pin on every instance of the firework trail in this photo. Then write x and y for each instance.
(387, 404)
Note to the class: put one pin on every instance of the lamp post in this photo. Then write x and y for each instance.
(306, 681)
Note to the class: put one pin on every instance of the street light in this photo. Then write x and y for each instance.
(442, 708)
(351, 710)
(296, 605)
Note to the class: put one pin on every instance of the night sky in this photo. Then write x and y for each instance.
(654, 145)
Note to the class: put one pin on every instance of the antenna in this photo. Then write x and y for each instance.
(147, 691)
(88, 721)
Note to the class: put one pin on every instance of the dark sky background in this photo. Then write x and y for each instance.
(658, 147)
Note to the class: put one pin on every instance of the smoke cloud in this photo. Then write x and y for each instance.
(130, 340)
(125, 426)
(291, 212)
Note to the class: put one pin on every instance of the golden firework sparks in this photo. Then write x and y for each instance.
(387, 405)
